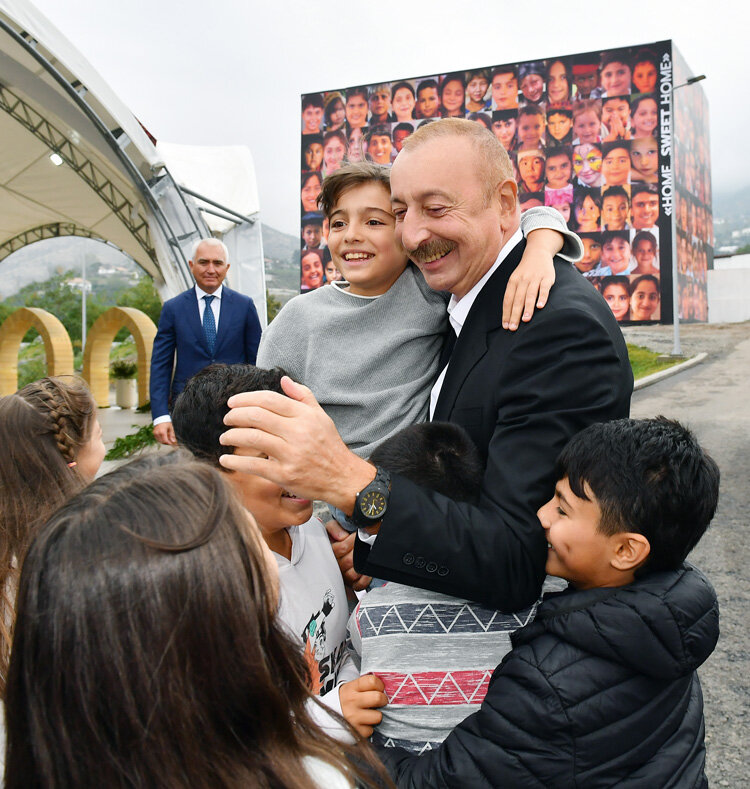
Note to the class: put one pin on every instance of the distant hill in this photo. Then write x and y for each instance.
(278, 245)
(38, 262)
(44, 259)
(732, 205)
(281, 253)
(731, 214)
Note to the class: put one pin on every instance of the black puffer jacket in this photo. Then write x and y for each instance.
(599, 691)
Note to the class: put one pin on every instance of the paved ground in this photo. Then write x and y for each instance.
(117, 422)
(713, 399)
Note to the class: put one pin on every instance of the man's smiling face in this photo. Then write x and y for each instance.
(446, 220)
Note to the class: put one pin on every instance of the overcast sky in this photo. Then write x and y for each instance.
(229, 72)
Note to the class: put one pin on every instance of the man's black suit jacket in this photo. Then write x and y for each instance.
(520, 396)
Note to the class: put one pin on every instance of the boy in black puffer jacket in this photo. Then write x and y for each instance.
(601, 689)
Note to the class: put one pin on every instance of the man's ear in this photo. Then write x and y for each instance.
(630, 551)
(507, 194)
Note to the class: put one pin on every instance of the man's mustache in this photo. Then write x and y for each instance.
(431, 250)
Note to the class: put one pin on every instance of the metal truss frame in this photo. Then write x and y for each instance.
(42, 232)
(56, 141)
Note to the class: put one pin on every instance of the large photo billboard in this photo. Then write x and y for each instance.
(587, 134)
(693, 213)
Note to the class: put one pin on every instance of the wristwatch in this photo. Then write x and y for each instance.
(372, 501)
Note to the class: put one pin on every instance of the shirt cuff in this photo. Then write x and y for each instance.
(550, 218)
(161, 419)
(366, 537)
(332, 700)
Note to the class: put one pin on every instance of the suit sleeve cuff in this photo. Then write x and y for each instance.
(161, 419)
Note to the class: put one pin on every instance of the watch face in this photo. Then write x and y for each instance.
(372, 504)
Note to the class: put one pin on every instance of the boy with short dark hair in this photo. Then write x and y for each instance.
(601, 689)
(434, 653)
(313, 601)
(312, 113)
(530, 126)
(615, 208)
(312, 231)
(559, 124)
(616, 254)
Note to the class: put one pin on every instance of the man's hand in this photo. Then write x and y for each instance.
(164, 433)
(360, 700)
(533, 278)
(342, 543)
(302, 451)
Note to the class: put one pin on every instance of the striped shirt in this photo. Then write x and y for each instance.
(435, 655)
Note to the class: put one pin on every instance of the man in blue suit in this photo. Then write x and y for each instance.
(206, 324)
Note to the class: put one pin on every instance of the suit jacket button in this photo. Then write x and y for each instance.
(420, 562)
(408, 558)
(431, 567)
(442, 571)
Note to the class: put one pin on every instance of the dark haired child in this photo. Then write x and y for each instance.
(386, 324)
(148, 651)
(434, 653)
(313, 602)
(601, 689)
(312, 113)
(477, 85)
(559, 125)
(530, 126)
(312, 231)
(615, 208)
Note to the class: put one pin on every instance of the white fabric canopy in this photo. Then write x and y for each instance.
(110, 180)
(38, 117)
(224, 174)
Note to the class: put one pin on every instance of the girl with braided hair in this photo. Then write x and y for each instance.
(52, 447)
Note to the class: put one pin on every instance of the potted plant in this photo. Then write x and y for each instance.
(126, 387)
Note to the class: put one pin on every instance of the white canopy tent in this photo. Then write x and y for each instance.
(75, 161)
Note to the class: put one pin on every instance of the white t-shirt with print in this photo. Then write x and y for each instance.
(314, 609)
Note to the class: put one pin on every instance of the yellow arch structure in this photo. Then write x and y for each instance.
(57, 345)
(99, 343)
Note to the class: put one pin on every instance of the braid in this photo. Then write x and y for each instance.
(34, 478)
(63, 439)
(68, 408)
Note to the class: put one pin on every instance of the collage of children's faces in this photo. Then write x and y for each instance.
(582, 133)
(694, 220)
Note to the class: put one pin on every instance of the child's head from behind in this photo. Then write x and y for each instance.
(633, 496)
(198, 420)
(439, 456)
(155, 570)
(70, 414)
(52, 446)
(357, 203)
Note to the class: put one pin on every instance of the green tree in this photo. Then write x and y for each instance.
(273, 305)
(142, 296)
(55, 296)
(63, 302)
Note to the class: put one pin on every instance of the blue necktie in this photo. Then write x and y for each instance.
(209, 324)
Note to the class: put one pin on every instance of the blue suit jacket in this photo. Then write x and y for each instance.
(181, 330)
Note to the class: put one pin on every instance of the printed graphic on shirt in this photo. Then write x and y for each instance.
(323, 667)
